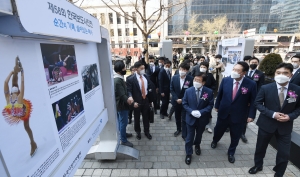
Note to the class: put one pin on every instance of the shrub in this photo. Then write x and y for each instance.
(269, 63)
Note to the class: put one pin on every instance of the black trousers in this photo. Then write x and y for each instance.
(235, 133)
(157, 101)
(180, 117)
(165, 103)
(130, 114)
(144, 109)
(283, 150)
(245, 128)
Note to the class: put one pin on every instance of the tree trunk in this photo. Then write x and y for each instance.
(145, 45)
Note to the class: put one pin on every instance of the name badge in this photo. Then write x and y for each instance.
(291, 100)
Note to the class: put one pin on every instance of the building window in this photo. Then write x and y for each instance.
(120, 44)
(113, 44)
(135, 43)
(126, 18)
(112, 33)
(135, 31)
(127, 31)
(128, 46)
(119, 32)
(111, 19)
(118, 18)
(102, 18)
(134, 16)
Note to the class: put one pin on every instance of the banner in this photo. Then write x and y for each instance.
(58, 18)
(51, 96)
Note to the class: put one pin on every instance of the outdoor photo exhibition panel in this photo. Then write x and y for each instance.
(52, 100)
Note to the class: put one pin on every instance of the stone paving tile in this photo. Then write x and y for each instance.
(166, 153)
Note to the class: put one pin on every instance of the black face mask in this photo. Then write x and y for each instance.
(123, 72)
(253, 66)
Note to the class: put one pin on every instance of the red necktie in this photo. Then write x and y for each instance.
(143, 87)
(235, 90)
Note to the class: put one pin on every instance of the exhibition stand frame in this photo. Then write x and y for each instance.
(58, 90)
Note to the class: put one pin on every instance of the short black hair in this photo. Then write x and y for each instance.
(138, 64)
(202, 57)
(185, 65)
(131, 68)
(161, 58)
(168, 62)
(218, 56)
(288, 66)
(187, 57)
(205, 63)
(198, 57)
(119, 66)
(253, 58)
(151, 57)
(244, 65)
(296, 56)
(247, 57)
(201, 74)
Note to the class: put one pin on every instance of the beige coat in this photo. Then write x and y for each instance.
(214, 67)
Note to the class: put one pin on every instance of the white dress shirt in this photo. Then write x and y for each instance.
(153, 68)
(294, 71)
(182, 82)
(140, 83)
(284, 92)
(240, 83)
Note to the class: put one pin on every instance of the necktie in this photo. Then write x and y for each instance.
(281, 96)
(198, 91)
(250, 73)
(151, 68)
(169, 74)
(235, 90)
(143, 87)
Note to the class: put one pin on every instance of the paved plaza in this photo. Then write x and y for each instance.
(164, 155)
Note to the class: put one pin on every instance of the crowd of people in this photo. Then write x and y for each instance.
(197, 87)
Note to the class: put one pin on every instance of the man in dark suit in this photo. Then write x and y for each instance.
(179, 84)
(196, 68)
(198, 102)
(161, 63)
(164, 79)
(132, 70)
(257, 76)
(152, 72)
(235, 94)
(277, 114)
(140, 89)
(296, 72)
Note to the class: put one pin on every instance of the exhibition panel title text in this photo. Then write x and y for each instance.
(71, 16)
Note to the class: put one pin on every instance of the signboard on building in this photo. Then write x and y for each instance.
(230, 42)
(58, 18)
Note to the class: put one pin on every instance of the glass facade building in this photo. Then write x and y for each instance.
(264, 15)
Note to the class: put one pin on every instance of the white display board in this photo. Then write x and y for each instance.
(58, 18)
(62, 101)
(5, 7)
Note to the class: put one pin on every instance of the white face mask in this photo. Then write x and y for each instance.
(166, 68)
(203, 70)
(142, 72)
(281, 79)
(197, 84)
(218, 60)
(182, 73)
(295, 65)
(160, 64)
(151, 63)
(195, 62)
(235, 75)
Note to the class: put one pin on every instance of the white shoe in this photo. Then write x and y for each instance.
(209, 130)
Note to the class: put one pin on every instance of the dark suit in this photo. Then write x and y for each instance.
(177, 93)
(196, 124)
(153, 75)
(131, 110)
(261, 78)
(267, 102)
(135, 92)
(233, 113)
(164, 80)
(259, 82)
(296, 78)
